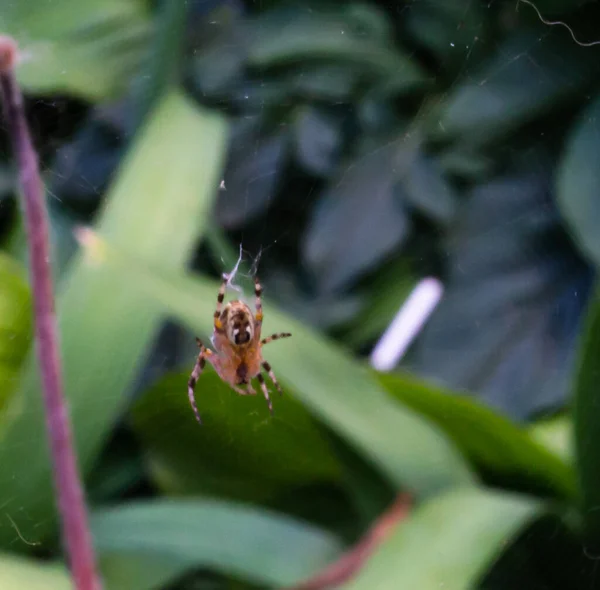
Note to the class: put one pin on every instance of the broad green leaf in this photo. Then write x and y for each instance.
(492, 443)
(378, 226)
(526, 78)
(238, 452)
(505, 329)
(15, 323)
(255, 161)
(27, 574)
(318, 138)
(424, 187)
(348, 35)
(586, 422)
(253, 544)
(326, 381)
(89, 49)
(451, 31)
(157, 209)
(449, 542)
(578, 182)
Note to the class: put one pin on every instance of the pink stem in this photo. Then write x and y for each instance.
(71, 504)
(351, 562)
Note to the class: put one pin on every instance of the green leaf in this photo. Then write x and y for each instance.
(254, 544)
(490, 441)
(450, 31)
(383, 296)
(527, 77)
(15, 324)
(409, 451)
(348, 35)
(238, 452)
(449, 542)
(506, 326)
(586, 422)
(378, 226)
(255, 163)
(18, 572)
(424, 187)
(318, 138)
(89, 49)
(578, 181)
(556, 434)
(157, 209)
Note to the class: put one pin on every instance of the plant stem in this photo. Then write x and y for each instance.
(350, 563)
(71, 504)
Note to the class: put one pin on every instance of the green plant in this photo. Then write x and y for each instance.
(435, 162)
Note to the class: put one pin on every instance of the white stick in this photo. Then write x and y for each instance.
(407, 324)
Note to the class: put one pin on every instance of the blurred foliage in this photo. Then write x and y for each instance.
(349, 149)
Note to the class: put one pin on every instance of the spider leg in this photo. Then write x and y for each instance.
(263, 387)
(274, 337)
(220, 298)
(198, 368)
(267, 368)
(258, 302)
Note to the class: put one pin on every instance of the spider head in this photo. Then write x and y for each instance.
(239, 323)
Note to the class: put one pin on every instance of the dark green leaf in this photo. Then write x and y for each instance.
(586, 422)
(578, 181)
(256, 545)
(493, 443)
(83, 168)
(318, 139)
(528, 76)
(171, 176)
(409, 451)
(422, 185)
(382, 298)
(467, 162)
(292, 36)
(252, 173)
(452, 31)
(449, 542)
(358, 221)
(331, 82)
(238, 452)
(322, 311)
(514, 293)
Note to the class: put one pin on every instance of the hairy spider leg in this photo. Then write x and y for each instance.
(198, 368)
(258, 301)
(263, 387)
(220, 298)
(274, 337)
(267, 368)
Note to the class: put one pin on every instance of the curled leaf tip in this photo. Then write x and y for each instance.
(8, 54)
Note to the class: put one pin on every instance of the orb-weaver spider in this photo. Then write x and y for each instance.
(238, 348)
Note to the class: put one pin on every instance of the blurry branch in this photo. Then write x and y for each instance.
(165, 58)
(71, 503)
(349, 564)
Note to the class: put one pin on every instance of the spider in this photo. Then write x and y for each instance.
(238, 357)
